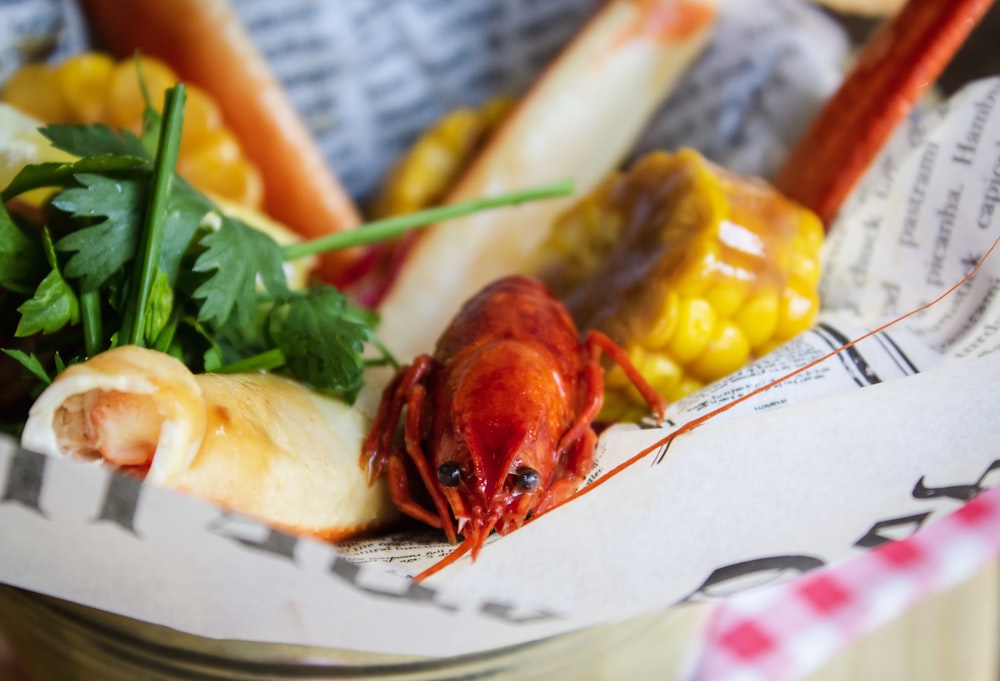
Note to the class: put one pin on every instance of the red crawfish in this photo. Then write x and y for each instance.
(499, 421)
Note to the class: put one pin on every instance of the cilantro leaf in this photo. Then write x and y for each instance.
(20, 256)
(236, 255)
(56, 174)
(54, 304)
(53, 307)
(322, 338)
(102, 248)
(186, 211)
(94, 140)
(29, 362)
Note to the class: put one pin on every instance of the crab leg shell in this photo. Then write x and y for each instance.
(578, 121)
(895, 68)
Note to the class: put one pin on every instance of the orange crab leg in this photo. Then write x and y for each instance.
(896, 66)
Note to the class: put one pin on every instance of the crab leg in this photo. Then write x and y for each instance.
(578, 121)
(896, 66)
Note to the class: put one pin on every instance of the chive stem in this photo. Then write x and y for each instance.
(93, 326)
(156, 210)
(380, 230)
(264, 361)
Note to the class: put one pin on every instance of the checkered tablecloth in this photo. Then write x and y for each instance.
(789, 630)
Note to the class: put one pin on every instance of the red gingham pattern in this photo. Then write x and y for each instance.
(787, 631)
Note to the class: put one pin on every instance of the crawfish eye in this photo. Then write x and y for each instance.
(449, 474)
(527, 479)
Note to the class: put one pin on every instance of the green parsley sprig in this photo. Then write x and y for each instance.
(132, 254)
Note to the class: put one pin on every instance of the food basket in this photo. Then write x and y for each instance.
(838, 516)
(60, 640)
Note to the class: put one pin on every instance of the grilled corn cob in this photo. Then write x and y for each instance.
(693, 270)
(92, 88)
(430, 168)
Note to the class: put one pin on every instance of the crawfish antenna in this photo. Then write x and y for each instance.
(468, 543)
(472, 542)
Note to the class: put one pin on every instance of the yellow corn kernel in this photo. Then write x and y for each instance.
(495, 111)
(699, 270)
(217, 166)
(211, 157)
(666, 322)
(758, 318)
(580, 240)
(729, 294)
(708, 270)
(34, 90)
(806, 268)
(125, 97)
(810, 235)
(797, 309)
(422, 176)
(428, 171)
(84, 80)
(621, 398)
(636, 354)
(695, 325)
(92, 88)
(686, 386)
(727, 351)
(619, 408)
(219, 145)
(202, 119)
(615, 377)
(662, 372)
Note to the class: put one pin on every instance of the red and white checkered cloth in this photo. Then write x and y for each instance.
(789, 630)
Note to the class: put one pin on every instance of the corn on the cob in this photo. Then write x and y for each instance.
(430, 168)
(693, 270)
(92, 88)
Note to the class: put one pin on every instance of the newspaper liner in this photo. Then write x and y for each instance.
(758, 492)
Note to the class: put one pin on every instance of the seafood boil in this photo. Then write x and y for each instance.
(498, 422)
(646, 61)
